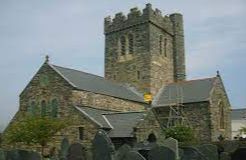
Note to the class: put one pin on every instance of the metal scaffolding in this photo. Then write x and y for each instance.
(175, 106)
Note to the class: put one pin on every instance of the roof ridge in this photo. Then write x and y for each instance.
(123, 112)
(96, 108)
(78, 71)
(192, 80)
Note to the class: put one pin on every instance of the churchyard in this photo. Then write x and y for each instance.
(103, 149)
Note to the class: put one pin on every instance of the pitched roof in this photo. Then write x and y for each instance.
(121, 124)
(93, 83)
(238, 114)
(185, 92)
(124, 123)
(95, 115)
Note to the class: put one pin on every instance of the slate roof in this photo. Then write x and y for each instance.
(95, 115)
(191, 91)
(238, 114)
(93, 83)
(121, 124)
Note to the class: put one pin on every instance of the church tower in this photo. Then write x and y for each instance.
(144, 49)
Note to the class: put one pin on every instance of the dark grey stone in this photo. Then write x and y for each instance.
(225, 156)
(22, 155)
(2, 155)
(122, 151)
(76, 152)
(172, 144)
(161, 153)
(64, 149)
(103, 148)
(230, 146)
(209, 150)
(192, 153)
(133, 155)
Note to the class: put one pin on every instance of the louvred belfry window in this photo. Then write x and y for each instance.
(123, 45)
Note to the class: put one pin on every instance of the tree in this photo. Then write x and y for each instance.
(183, 134)
(34, 130)
(243, 130)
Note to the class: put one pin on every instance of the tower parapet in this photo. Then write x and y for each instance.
(137, 17)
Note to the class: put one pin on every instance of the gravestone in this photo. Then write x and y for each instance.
(76, 152)
(22, 155)
(29, 155)
(2, 155)
(230, 146)
(13, 155)
(103, 148)
(172, 144)
(225, 156)
(64, 149)
(161, 153)
(133, 155)
(122, 151)
(209, 150)
(192, 153)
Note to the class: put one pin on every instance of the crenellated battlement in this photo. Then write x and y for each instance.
(135, 17)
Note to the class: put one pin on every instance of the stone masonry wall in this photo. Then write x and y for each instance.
(161, 66)
(47, 85)
(146, 127)
(125, 68)
(147, 68)
(219, 97)
(100, 101)
(197, 115)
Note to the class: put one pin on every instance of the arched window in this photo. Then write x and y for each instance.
(43, 108)
(31, 108)
(151, 138)
(222, 116)
(131, 44)
(54, 108)
(122, 45)
(161, 44)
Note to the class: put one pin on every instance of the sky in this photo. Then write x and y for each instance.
(71, 33)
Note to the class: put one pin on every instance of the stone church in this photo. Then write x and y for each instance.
(144, 55)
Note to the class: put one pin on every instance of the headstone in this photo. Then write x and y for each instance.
(209, 150)
(230, 146)
(161, 153)
(133, 155)
(13, 155)
(29, 155)
(76, 152)
(172, 144)
(22, 155)
(122, 151)
(103, 148)
(64, 149)
(225, 156)
(2, 155)
(192, 153)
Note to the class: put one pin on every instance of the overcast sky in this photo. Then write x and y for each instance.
(71, 32)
